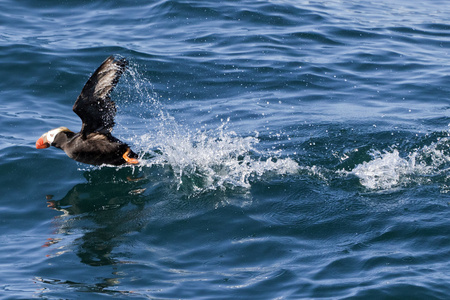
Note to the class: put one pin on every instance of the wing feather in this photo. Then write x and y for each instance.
(94, 105)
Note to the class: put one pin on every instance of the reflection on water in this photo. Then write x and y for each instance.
(101, 287)
(105, 208)
(98, 219)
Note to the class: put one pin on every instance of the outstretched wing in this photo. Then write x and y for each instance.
(94, 105)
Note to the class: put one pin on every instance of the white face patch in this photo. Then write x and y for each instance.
(51, 135)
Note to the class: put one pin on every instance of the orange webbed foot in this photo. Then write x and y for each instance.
(129, 159)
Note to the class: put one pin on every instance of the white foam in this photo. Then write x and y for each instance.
(384, 171)
(389, 170)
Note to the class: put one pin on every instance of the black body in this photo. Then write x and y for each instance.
(95, 148)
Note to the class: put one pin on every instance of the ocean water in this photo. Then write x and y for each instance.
(289, 150)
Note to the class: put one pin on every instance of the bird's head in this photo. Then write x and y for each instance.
(47, 138)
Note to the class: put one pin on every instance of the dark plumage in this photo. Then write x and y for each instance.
(94, 144)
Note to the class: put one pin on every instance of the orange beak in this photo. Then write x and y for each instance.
(41, 144)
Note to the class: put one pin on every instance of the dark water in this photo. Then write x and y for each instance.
(290, 149)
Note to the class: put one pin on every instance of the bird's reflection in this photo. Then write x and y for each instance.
(106, 208)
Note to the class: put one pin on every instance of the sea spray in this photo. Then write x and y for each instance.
(200, 160)
(214, 159)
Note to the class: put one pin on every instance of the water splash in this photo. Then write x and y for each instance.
(200, 159)
(214, 159)
(387, 170)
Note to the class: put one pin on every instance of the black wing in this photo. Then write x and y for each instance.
(94, 105)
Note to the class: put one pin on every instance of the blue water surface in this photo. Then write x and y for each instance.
(289, 150)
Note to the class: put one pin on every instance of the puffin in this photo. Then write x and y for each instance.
(94, 144)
